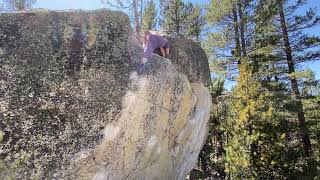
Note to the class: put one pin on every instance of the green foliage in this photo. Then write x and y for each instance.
(256, 129)
(197, 22)
(174, 15)
(218, 10)
(210, 159)
(260, 127)
(149, 20)
(180, 18)
(17, 5)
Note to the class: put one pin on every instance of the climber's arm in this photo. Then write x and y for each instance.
(148, 50)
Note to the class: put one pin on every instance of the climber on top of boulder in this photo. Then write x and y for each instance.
(153, 41)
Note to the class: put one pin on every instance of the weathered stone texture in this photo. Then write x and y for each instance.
(76, 101)
(189, 58)
(160, 131)
(62, 77)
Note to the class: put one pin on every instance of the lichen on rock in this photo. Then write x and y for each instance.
(76, 98)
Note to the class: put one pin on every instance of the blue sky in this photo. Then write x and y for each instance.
(69, 4)
(96, 4)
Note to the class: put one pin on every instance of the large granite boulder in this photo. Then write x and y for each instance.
(77, 103)
(189, 58)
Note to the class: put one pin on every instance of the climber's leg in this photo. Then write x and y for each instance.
(162, 52)
(167, 51)
(167, 48)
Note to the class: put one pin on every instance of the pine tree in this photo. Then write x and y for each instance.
(197, 23)
(259, 129)
(17, 5)
(175, 15)
(149, 20)
(295, 26)
(211, 157)
(311, 103)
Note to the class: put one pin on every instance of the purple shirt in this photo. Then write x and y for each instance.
(154, 42)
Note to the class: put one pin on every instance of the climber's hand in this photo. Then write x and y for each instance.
(144, 60)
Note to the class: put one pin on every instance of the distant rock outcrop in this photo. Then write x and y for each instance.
(77, 103)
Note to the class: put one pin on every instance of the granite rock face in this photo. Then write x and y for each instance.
(77, 103)
(189, 58)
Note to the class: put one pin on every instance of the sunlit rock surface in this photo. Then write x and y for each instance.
(76, 102)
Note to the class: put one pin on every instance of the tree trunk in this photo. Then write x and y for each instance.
(294, 83)
(21, 5)
(236, 33)
(141, 12)
(177, 17)
(242, 24)
(136, 17)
